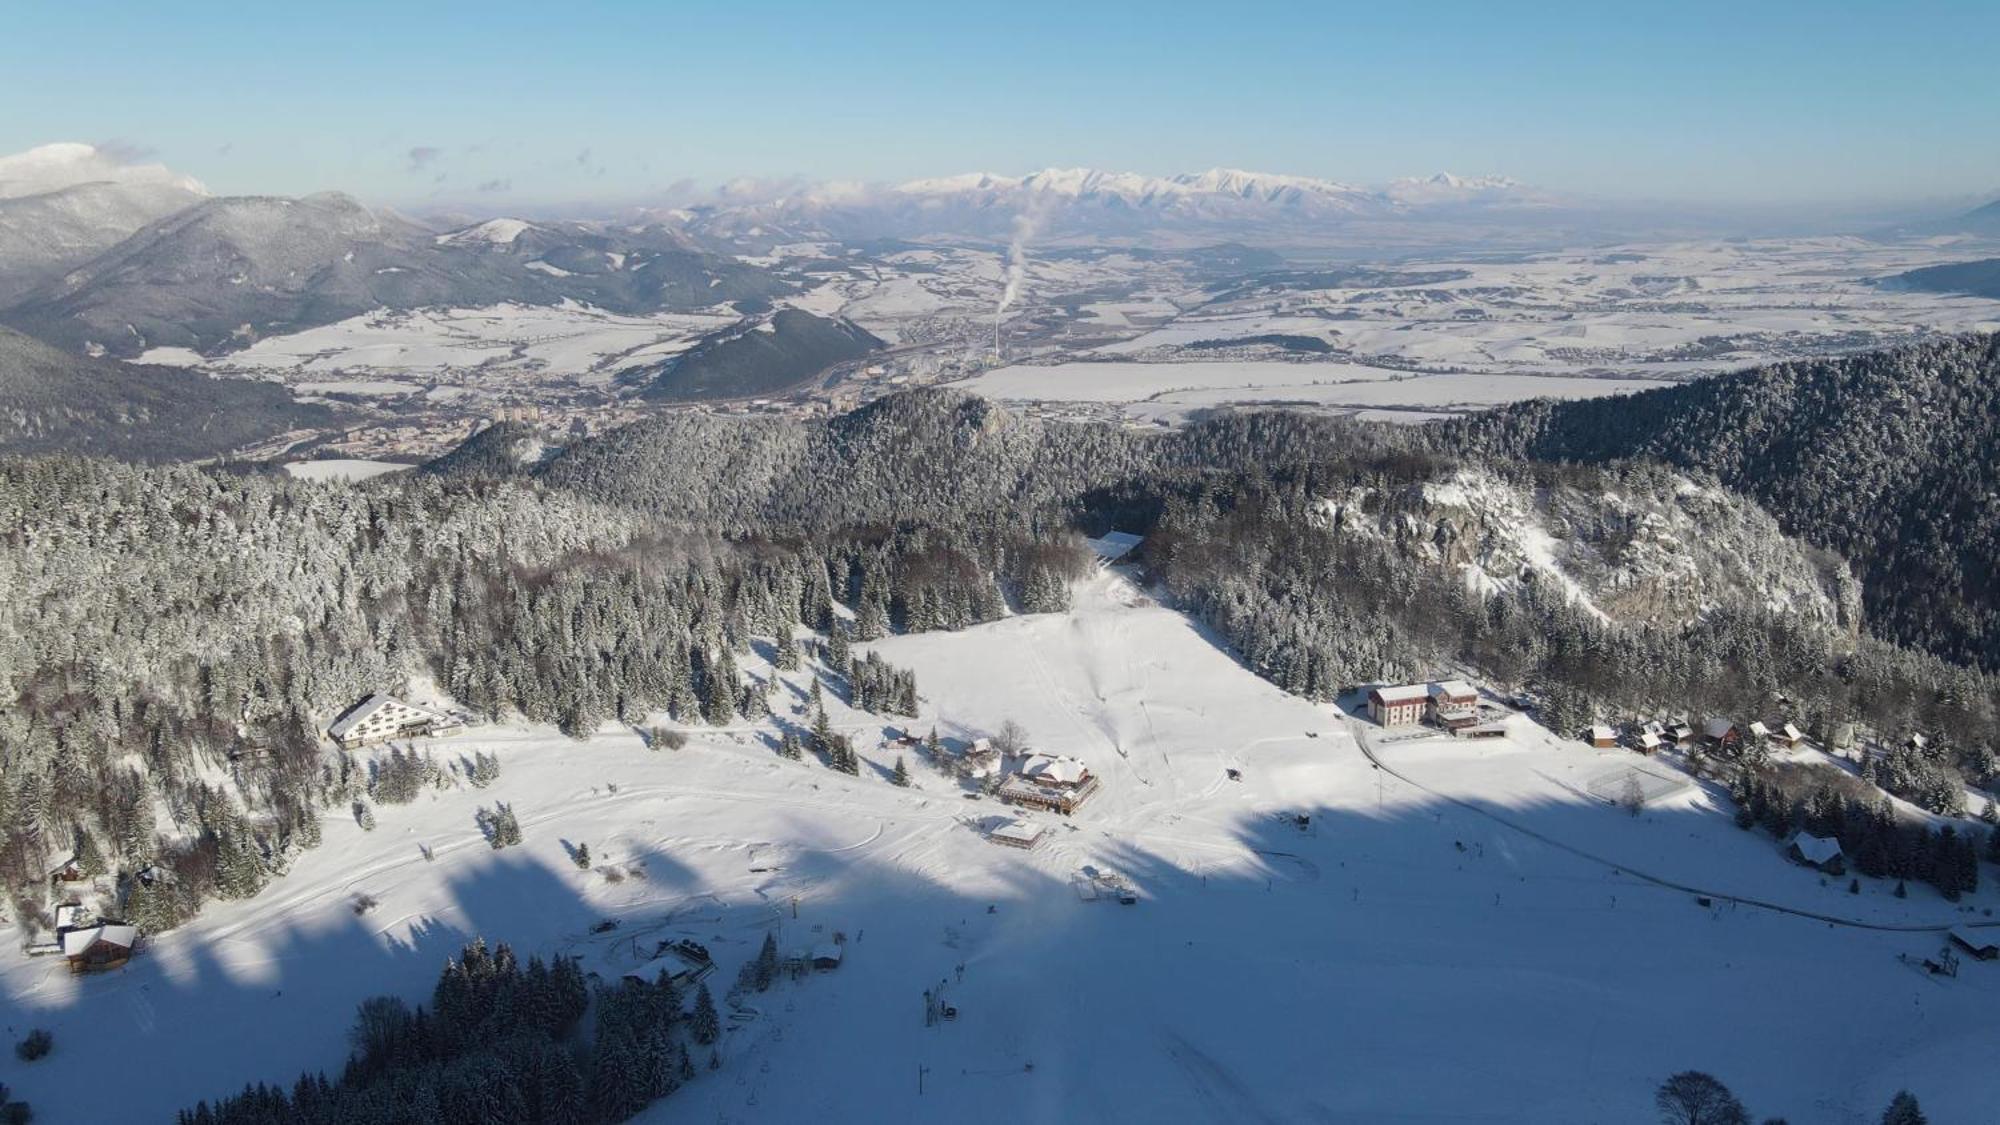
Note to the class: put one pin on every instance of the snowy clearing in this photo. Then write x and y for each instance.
(1487, 910)
(342, 469)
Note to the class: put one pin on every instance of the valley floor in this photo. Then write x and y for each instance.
(1479, 942)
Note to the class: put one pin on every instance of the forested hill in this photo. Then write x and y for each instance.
(55, 402)
(1891, 459)
(923, 455)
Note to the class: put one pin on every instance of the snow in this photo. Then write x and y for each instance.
(172, 357)
(342, 469)
(496, 232)
(385, 351)
(1114, 545)
(1469, 902)
(1169, 390)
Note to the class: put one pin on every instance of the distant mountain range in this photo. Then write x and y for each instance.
(225, 272)
(62, 203)
(1088, 201)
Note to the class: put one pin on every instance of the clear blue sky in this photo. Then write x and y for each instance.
(406, 103)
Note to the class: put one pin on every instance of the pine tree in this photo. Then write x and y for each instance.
(839, 649)
(719, 698)
(1903, 1110)
(581, 856)
(704, 1025)
(766, 963)
(89, 859)
(902, 775)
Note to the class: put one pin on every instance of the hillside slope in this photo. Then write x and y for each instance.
(51, 402)
(1979, 278)
(1884, 458)
(61, 204)
(764, 358)
(229, 271)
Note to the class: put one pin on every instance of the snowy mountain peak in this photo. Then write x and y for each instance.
(1444, 188)
(492, 232)
(53, 167)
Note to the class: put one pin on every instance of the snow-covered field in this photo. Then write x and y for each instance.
(1481, 332)
(1171, 390)
(1477, 942)
(342, 469)
(416, 347)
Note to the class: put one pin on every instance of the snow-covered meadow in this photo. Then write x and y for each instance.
(1467, 902)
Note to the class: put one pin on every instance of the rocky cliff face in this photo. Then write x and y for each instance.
(1642, 546)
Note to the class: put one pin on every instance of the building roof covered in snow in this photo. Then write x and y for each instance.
(76, 942)
(1815, 849)
(1018, 831)
(382, 703)
(1403, 693)
(1055, 769)
(1791, 733)
(1979, 941)
(1651, 740)
(1115, 545)
(826, 951)
(1455, 689)
(1718, 728)
(1759, 730)
(1601, 733)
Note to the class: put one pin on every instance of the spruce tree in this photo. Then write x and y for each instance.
(767, 963)
(704, 1025)
(1903, 1110)
(902, 775)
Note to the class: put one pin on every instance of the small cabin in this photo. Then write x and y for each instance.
(1603, 737)
(1821, 853)
(1788, 736)
(1114, 545)
(1648, 742)
(827, 955)
(1721, 733)
(99, 948)
(1018, 834)
(1983, 945)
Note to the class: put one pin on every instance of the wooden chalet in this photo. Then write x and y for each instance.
(93, 949)
(1721, 733)
(1603, 737)
(1819, 852)
(1049, 781)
